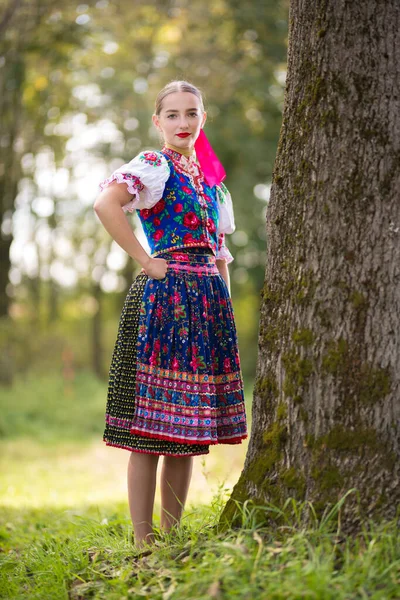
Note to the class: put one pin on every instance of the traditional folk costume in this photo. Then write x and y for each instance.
(175, 382)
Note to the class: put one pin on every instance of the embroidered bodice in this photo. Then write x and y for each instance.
(176, 207)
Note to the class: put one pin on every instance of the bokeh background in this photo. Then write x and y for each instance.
(78, 84)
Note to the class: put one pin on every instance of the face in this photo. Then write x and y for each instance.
(180, 119)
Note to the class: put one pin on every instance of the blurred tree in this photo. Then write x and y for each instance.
(326, 414)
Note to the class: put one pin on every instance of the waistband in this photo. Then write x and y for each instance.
(201, 261)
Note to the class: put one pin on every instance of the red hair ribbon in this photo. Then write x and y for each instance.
(212, 168)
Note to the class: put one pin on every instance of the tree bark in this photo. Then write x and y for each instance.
(326, 409)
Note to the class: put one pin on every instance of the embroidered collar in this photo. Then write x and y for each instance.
(187, 165)
(180, 158)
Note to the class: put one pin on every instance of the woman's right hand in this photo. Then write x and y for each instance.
(156, 268)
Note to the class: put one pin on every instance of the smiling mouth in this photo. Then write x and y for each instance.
(183, 135)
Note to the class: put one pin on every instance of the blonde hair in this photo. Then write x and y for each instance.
(177, 86)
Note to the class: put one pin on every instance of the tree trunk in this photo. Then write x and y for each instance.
(326, 410)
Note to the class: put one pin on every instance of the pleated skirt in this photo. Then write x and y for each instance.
(175, 382)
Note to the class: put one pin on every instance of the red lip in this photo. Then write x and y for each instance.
(183, 135)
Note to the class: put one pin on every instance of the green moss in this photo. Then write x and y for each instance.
(269, 295)
(363, 382)
(297, 371)
(281, 411)
(274, 438)
(303, 337)
(266, 386)
(355, 441)
(303, 414)
(382, 501)
(358, 299)
(327, 477)
(324, 318)
(309, 440)
(375, 384)
(335, 359)
(293, 479)
(305, 287)
(264, 462)
(271, 337)
(276, 435)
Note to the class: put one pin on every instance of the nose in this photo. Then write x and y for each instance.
(184, 123)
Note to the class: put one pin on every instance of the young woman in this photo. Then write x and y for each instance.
(175, 384)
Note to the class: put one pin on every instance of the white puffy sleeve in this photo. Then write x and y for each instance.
(225, 207)
(145, 177)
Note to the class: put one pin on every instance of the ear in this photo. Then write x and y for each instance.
(204, 119)
(156, 122)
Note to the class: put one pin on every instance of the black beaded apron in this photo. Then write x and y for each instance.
(122, 382)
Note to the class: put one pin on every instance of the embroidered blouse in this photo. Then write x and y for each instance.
(175, 205)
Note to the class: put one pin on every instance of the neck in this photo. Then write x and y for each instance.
(184, 151)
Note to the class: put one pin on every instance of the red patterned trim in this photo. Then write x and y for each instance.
(199, 269)
(170, 438)
(153, 451)
(191, 412)
(180, 384)
(196, 378)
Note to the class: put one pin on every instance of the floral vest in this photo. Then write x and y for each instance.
(187, 214)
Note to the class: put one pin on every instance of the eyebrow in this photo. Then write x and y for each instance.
(175, 111)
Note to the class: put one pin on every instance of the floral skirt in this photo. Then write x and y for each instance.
(175, 383)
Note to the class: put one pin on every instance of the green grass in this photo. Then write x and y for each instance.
(88, 553)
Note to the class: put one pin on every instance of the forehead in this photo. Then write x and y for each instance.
(180, 101)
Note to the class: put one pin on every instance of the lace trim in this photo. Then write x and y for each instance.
(224, 254)
(134, 185)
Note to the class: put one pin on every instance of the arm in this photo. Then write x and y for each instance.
(108, 207)
(224, 272)
(136, 185)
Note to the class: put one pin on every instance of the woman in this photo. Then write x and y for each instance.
(175, 383)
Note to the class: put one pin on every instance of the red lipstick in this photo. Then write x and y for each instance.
(183, 135)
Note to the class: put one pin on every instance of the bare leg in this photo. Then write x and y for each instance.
(142, 475)
(175, 478)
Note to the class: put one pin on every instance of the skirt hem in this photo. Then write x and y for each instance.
(162, 453)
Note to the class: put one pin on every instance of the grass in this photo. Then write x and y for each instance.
(65, 531)
(88, 554)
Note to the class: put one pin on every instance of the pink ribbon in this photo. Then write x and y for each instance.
(212, 168)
